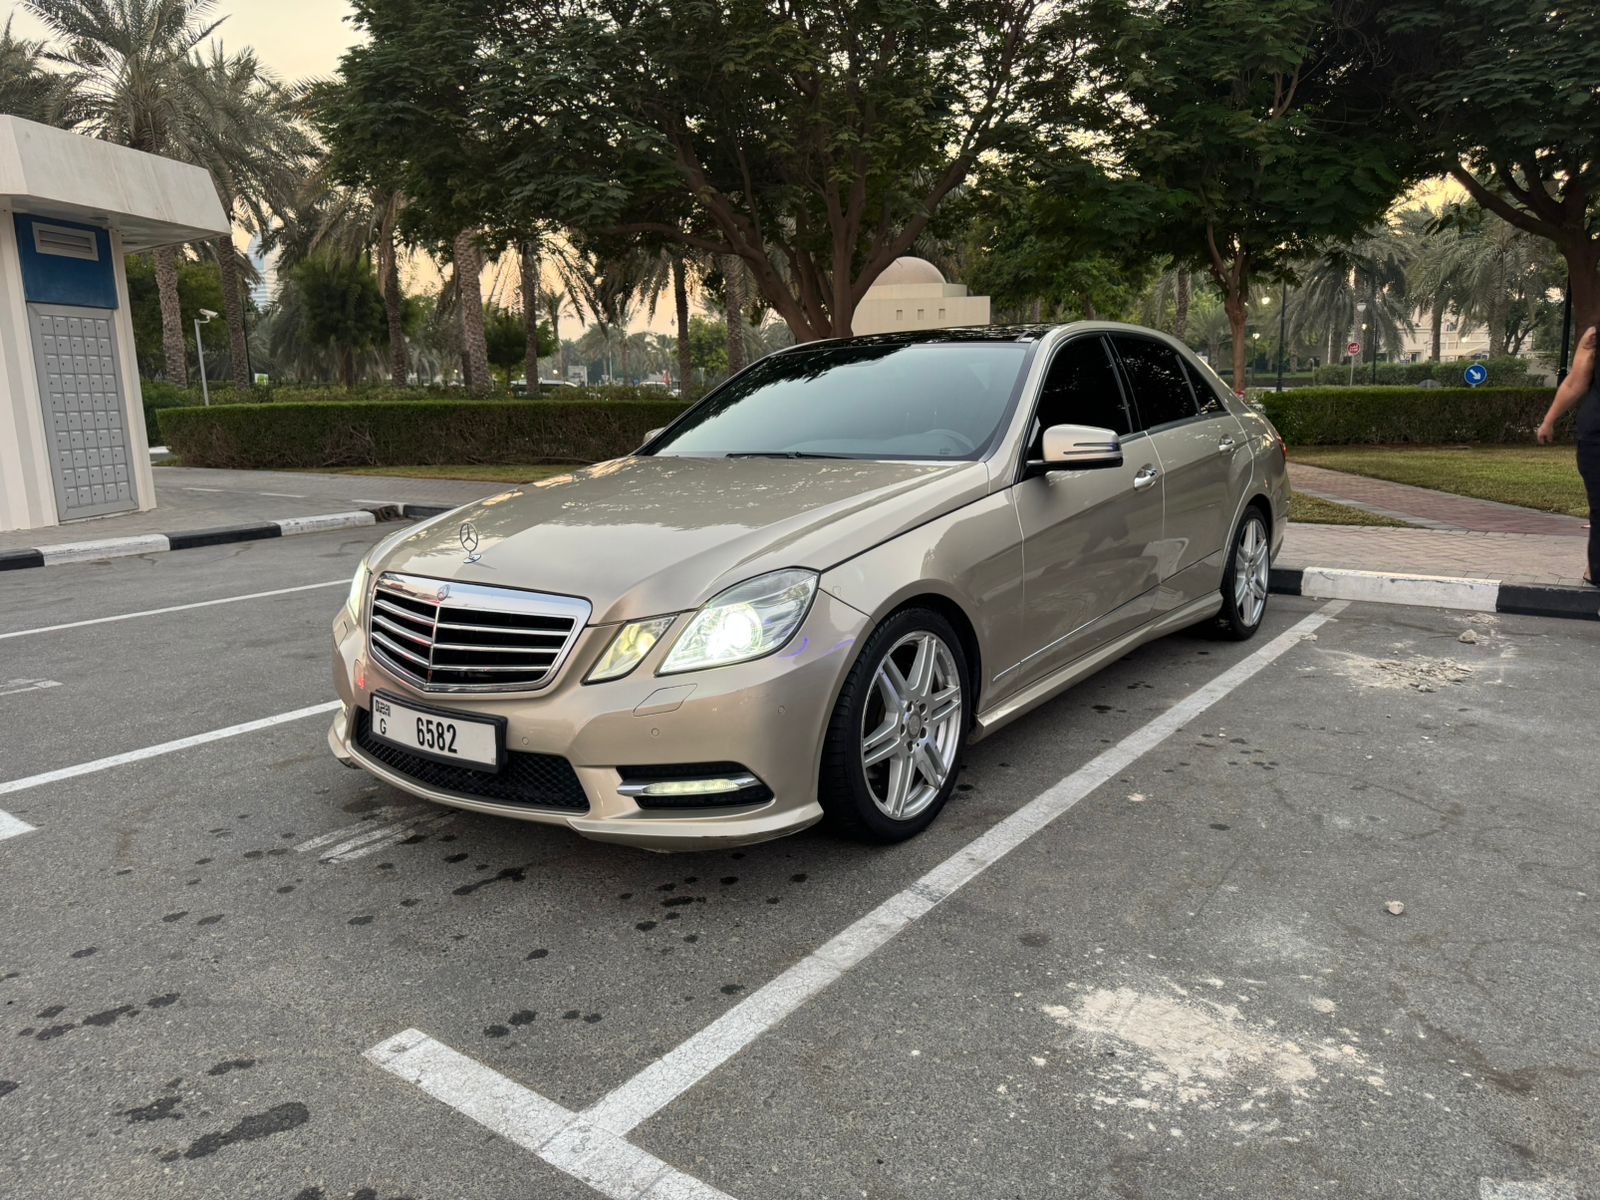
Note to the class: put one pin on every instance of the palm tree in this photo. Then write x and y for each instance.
(468, 258)
(139, 80)
(1354, 283)
(1497, 274)
(249, 138)
(733, 281)
(27, 89)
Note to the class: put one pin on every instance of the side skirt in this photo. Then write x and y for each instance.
(1059, 681)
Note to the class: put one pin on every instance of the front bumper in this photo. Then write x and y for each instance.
(769, 716)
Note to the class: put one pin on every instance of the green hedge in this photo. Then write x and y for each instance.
(393, 433)
(1503, 372)
(1408, 416)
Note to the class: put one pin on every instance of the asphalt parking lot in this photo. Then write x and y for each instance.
(1145, 952)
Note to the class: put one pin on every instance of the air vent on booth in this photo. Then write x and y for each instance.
(66, 243)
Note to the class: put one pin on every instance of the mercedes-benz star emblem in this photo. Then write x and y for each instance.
(469, 541)
(442, 594)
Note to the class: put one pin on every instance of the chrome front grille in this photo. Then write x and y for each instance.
(446, 636)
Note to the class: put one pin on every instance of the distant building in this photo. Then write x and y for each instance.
(912, 294)
(265, 289)
(1417, 342)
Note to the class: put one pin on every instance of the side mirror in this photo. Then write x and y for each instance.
(652, 435)
(1078, 448)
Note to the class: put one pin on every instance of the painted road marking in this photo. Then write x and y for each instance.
(133, 756)
(11, 687)
(159, 612)
(11, 826)
(607, 1162)
(378, 830)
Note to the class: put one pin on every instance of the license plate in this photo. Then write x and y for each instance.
(437, 733)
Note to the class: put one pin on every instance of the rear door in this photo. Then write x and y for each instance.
(1198, 441)
(1089, 538)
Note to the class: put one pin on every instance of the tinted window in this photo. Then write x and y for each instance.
(1081, 388)
(1160, 386)
(879, 400)
(1205, 390)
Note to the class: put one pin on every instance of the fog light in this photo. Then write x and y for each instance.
(691, 787)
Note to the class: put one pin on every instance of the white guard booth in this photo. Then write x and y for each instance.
(72, 436)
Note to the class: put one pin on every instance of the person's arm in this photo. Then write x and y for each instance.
(1572, 387)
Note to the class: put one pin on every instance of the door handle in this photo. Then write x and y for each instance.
(1146, 477)
(1225, 445)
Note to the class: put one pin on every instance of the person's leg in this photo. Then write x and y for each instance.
(1589, 468)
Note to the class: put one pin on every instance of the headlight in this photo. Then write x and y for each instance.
(632, 643)
(358, 591)
(746, 621)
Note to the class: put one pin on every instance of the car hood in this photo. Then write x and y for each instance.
(641, 536)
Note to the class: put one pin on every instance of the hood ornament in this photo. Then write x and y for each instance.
(469, 541)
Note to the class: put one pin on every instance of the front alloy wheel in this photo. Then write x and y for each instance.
(894, 743)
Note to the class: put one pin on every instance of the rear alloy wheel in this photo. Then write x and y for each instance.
(1244, 582)
(894, 744)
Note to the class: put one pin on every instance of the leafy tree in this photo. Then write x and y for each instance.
(343, 308)
(506, 334)
(1242, 129)
(708, 348)
(1504, 93)
(199, 286)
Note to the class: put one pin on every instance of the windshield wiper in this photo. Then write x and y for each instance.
(784, 454)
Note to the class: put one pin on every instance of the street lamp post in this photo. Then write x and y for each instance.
(199, 348)
(1373, 280)
(1283, 336)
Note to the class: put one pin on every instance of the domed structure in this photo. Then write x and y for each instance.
(909, 270)
(912, 294)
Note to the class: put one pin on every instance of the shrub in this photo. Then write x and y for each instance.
(1503, 372)
(392, 433)
(1408, 416)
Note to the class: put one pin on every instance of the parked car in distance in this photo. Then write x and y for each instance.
(806, 596)
(519, 386)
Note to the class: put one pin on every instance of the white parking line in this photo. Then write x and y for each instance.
(608, 1164)
(378, 830)
(11, 826)
(592, 1145)
(11, 687)
(173, 608)
(133, 756)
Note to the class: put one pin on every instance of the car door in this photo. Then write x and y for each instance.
(1089, 537)
(1197, 445)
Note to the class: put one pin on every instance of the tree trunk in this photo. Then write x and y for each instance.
(680, 299)
(1180, 306)
(394, 311)
(176, 366)
(528, 256)
(1238, 314)
(474, 349)
(733, 312)
(347, 366)
(233, 310)
(554, 300)
(1583, 269)
(1437, 333)
(622, 355)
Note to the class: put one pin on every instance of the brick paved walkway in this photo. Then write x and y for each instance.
(1508, 557)
(1428, 508)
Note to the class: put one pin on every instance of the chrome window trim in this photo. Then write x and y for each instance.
(483, 598)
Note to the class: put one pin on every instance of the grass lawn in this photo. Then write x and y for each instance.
(1543, 477)
(1313, 510)
(489, 473)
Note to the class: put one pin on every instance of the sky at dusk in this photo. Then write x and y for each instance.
(294, 38)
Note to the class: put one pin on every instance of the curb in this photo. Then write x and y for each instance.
(155, 543)
(1437, 591)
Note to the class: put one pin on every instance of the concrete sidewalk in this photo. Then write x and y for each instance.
(190, 500)
(1550, 560)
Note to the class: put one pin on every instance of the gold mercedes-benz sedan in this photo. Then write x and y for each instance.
(805, 596)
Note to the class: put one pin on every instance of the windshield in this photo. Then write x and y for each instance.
(926, 400)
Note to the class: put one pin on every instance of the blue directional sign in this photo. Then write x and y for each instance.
(1476, 374)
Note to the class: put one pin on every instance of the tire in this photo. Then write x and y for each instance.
(899, 792)
(1244, 580)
